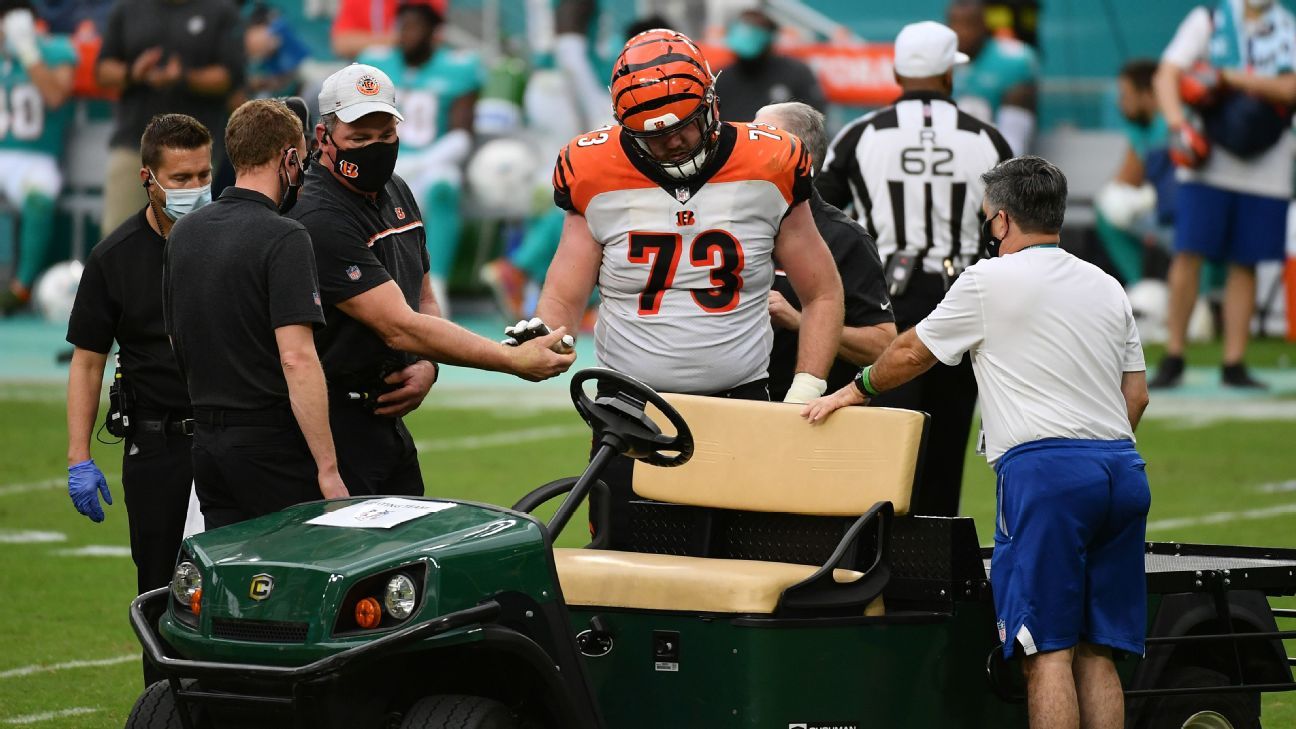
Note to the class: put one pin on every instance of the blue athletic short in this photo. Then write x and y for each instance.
(1068, 556)
(1223, 225)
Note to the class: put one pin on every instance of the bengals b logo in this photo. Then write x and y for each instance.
(368, 85)
(348, 169)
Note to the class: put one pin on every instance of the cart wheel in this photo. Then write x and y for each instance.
(156, 708)
(458, 712)
(1202, 711)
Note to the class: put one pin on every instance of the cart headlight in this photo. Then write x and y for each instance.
(186, 581)
(400, 596)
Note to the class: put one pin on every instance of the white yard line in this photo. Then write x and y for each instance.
(47, 715)
(27, 536)
(1278, 487)
(23, 488)
(1222, 517)
(21, 671)
(501, 438)
(95, 550)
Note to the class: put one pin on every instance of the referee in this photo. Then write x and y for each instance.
(242, 304)
(868, 325)
(913, 173)
(384, 329)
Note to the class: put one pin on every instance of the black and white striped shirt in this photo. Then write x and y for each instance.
(912, 173)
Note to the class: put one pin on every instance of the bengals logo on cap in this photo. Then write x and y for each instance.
(368, 85)
(348, 169)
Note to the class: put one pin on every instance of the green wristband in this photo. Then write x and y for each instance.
(864, 380)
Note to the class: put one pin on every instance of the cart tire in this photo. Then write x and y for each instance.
(458, 712)
(156, 708)
(1202, 711)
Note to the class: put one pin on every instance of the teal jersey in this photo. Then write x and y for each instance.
(424, 94)
(1002, 64)
(1144, 139)
(25, 123)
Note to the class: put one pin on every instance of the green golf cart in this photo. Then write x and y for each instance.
(770, 577)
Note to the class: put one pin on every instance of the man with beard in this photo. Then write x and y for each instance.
(438, 89)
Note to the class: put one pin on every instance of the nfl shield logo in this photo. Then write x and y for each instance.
(353, 273)
(1003, 631)
(400, 213)
(682, 194)
(315, 297)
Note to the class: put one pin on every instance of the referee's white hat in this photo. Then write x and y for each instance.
(926, 49)
(357, 90)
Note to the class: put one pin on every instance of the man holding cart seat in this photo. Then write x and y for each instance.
(1060, 369)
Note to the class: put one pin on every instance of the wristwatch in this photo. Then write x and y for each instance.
(864, 384)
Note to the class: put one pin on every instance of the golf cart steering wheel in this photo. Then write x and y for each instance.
(619, 420)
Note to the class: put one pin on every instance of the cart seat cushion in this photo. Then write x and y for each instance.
(604, 578)
(762, 456)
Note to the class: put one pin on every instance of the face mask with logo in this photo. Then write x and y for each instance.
(181, 201)
(989, 243)
(748, 41)
(366, 168)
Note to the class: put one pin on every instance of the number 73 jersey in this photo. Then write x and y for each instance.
(687, 264)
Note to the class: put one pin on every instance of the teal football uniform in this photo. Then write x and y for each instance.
(1002, 64)
(25, 123)
(425, 94)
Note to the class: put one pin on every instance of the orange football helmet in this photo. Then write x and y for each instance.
(661, 84)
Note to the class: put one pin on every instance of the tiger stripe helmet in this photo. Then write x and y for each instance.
(661, 84)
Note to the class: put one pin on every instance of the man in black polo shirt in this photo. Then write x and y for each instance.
(165, 56)
(120, 298)
(869, 325)
(373, 271)
(242, 304)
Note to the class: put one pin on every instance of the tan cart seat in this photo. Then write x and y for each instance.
(604, 578)
(752, 456)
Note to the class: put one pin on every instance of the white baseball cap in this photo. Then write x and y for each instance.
(926, 49)
(358, 90)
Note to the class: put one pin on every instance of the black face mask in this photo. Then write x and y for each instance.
(989, 243)
(291, 189)
(366, 168)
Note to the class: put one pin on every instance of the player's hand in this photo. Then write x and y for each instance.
(85, 484)
(1189, 148)
(782, 314)
(415, 382)
(536, 359)
(1201, 85)
(820, 408)
(331, 486)
(144, 64)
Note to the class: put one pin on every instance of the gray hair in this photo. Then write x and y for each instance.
(803, 120)
(1031, 190)
(330, 122)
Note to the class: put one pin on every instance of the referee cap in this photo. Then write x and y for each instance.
(358, 90)
(926, 49)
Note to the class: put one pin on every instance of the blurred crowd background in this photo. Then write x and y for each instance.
(521, 77)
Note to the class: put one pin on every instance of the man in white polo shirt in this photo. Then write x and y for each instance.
(1060, 369)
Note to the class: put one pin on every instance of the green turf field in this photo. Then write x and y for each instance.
(1223, 470)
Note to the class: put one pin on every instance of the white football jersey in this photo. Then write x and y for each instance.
(687, 265)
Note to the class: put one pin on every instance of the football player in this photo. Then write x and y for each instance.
(438, 90)
(677, 217)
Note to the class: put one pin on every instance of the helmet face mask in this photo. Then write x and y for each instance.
(663, 95)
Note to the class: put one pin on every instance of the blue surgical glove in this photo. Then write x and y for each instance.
(84, 479)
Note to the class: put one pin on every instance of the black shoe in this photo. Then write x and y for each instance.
(1236, 375)
(1169, 373)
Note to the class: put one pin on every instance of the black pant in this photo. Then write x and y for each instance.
(157, 470)
(947, 394)
(376, 454)
(619, 471)
(246, 471)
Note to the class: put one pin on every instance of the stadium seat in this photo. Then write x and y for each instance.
(756, 457)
